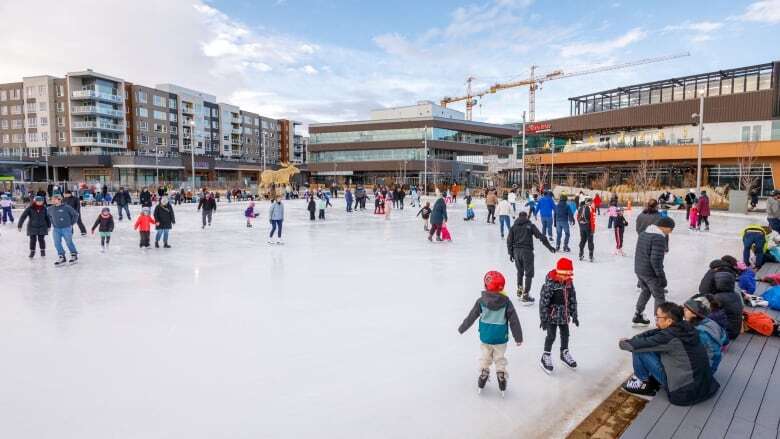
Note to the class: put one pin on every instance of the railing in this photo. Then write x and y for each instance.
(96, 125)
(93, 94)
(90, 109)
(95, 141)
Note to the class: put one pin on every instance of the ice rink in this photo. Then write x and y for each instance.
(347, 330)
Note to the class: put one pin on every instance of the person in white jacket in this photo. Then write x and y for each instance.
(512, 198)
(504, 211)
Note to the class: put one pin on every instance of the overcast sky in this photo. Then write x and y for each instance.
(332, 60)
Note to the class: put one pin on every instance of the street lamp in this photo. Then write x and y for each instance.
(46, 156)
(192, 151)
(425, 153)
(699, 118)
(522, 163)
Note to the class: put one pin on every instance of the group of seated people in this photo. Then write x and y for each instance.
(682, 354)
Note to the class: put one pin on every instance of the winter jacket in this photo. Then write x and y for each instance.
(597, 201)
(557, 302)
(73, 202)
(321, 204)
(612, 211)
(747, 281)
(546, 206)
(757, 229)
(207, 204)
(62, 216)
(491, 199)
(496, 317)
(703, 205)
(439, 212)
(690, 198)
(732, 305)
(772, 208)
(645, 219)
(684, 358)
(104, 224)
(511, 197)
(521, 236)
(425, 212)
(122, 198)
(563, 213)
(650, 253)
(713, 337)
(620, 222)
(143, 223)
(728, 275)
(39, 224)
(312, 206)
(6, 203)
(586, 218)
(145, 199)
(504, 208)
(348, 196)
(164, 216)
(276, 212)
(250, 212)
(720, 318)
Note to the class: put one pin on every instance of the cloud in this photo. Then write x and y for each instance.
(699, 31)
(309, 70)
(765, 11)
(604, 47)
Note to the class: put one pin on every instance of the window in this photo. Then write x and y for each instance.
(143, 125)
(714, 88)
(174, 141)
(4, 124)
(756, 133)
(42, 91)
(141, 96)
(159, 101)
(45, 137)
(30, 92)
(143, 112)
(60, 91)
(159, 141)
(739, 84)
(690, 89)
(764, 81)
(60, 121)
(32, 137)
(159, 115)
(3, 95)
(18, 138)
(746, 134)
(44, 121)
(174, 129)
(61, 136)
(16, 93)
(172, 117)
(17, 124)
(701, 89)
(60, 107)
(158, 128)
(3, 110)
(172, 103)
(143, 139)
(725, 86)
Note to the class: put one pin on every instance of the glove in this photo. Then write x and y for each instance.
(543, 325)
(576, 322)
(511, 257)
(552, 250)
(662, 282)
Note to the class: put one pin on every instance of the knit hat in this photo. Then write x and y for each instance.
(105, 209)
(666, 222)
(145, 210)
(38, 198)
(494, 282)
(56, 196)
(164, 200)
(699, 306)
(564, 267)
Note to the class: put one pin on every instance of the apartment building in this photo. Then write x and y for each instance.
(292, 146)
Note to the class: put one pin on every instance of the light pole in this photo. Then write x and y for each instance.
(552, 161)
(192, 152)
(157, 164)
(46, 157)
(700, 117)
(522, 163)
(425, 149)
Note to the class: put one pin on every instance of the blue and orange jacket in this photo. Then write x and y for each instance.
(496, 316)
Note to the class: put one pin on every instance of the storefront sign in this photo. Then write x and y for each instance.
(539, 127)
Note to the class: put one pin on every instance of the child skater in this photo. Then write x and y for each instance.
(693, 218)
(620, 223)
(105, 225)
(426, 214)
(497, 317)
(144, 226)
(558, 305)
(250, 214)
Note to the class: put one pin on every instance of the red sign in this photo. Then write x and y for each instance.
(537, 127)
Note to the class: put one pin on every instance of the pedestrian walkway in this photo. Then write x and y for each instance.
(747, 404)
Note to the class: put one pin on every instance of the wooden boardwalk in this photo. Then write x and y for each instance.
(747, 404)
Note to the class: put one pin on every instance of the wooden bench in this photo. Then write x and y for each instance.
(747, 404)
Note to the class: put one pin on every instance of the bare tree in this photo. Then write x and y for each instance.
(644, 177)
(602, 182)
(571, 180)
(745, 162)
(542, 172)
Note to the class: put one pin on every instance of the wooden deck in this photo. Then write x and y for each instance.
(747, 404)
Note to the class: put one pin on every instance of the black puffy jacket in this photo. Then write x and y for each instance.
(145, 199)
(164, 216)
(39, 224)
(521, 236)
(650, 253)
(727, 274)
(720, 281)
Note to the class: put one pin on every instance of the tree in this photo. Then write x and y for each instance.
(745, 162)
(644, 177)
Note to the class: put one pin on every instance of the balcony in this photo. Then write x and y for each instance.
(236, 131)
(94, 125)
(187, 109)
(93, 94)
(96, 141)
(236, 120)
(91, 109)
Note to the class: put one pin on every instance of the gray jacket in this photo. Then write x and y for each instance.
(62, 216)
(276, 212)
(646, 219)
(772, 208)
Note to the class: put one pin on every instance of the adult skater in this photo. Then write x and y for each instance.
(491, 200)
(773, 211)
(670, 357)
(649, 216)
(597, 203)
(39, 224)
(564, 218)
(73, 202)
(62, 218)
(348, 199)
(276, 218)
(504, 212)
(520, 246)
(438, 217)
(123, 200)
(208, 205)
(649, 267)
(703, 207)
(7, 205)
(690, 200)
(145, 198)
(164, 219)
(311, 206)
(586, 218)
(546, 208)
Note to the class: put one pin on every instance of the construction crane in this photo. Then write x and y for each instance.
(535, 82)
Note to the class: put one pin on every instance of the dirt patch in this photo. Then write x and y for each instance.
(611, 418)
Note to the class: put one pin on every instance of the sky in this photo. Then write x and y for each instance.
(335, 60)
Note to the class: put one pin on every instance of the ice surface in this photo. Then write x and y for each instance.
(348, 330)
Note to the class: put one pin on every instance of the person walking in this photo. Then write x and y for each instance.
(438, 218)
(649, 267)
(690, 200)
(123, 200)
(348, 199)
(563, 218)
(39, 224)
(276, 218)
(164, 219)
(491, 200)
(209, 206)
(504, 212)
(520, 247)
(512, 198)
(586, 218)
(703, 207)
(546, 208)
(62, 218)
(773, 211)
(74, 202)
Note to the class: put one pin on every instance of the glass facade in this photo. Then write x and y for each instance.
(440, 134)
(367, 155)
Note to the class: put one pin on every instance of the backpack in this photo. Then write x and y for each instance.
(772, 296)
(759, 322)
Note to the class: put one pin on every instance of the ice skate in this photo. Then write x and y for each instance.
(526, 300)
(270, 241)
(519, 292)
(102, 248)
(567, 359)
(165, 245)
(546, 363)
(501, 377)
(61, 261)
(32, 254)
(279, 241)
(640, 320)
(566, 250)
(156, 244)
(756, 301)
(483, 378)
(582, 257)
(43, 252)
(74, 258)
(590, 258)
(642, 389)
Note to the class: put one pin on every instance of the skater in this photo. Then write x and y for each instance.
(586, 218)
(520, 245)
(250, 214)
(491, 200)
(145, 198)
(620, 224)
(348, 199)
(597, 204)
(276, 218)
(470, 214)
(504, 212)
(144, 226)
(531, 205)
(209, 207)
(39, 224)
(425, 212)
(321, 205)
(122, 200)
(703, 206)
(105, 225)
(558, 305)
(649, 267)
(564, 218)
(512, 198)
(62, 218)
(413, 196)
(611, 214)
(546, 208)
(672, 357)
(312, 208)
(438, 217)
(7, 204)
(73, 202)
(497, 316)
(164, 219)
(690, 201)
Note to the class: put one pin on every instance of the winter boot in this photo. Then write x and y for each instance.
(74, 258)
(483, 378)
(546, 363)
(32, 254)
(501, 377)
(61, 261)
(156, 244)
(568, 359)
(645, 389)
(526, 300)
(640, 320)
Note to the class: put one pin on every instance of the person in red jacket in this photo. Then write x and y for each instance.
(586, 218)
(703, 205)
(144, 225)
(597, 204)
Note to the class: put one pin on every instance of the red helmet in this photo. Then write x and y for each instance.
(494, 282)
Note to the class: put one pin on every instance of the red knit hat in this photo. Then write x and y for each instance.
(564, 267)
(494, 282)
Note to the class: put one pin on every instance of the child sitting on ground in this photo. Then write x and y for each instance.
(557, 306)
(469, 213)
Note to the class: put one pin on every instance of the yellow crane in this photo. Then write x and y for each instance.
(535, 82)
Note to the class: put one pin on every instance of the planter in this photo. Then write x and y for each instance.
(738, 201)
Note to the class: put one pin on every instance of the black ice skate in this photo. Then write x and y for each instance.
(74, 258)
(567, 359)
(566, 250)
(156, 244)
(640, 320)
(519, 292)
(483, 378)
(43, 252)
(546, 363)
(591, 258)
(526, 300)
(61, 261)
(32, 254)
(582, 257)
(166, 245)
(501, 377)
(643, 389)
